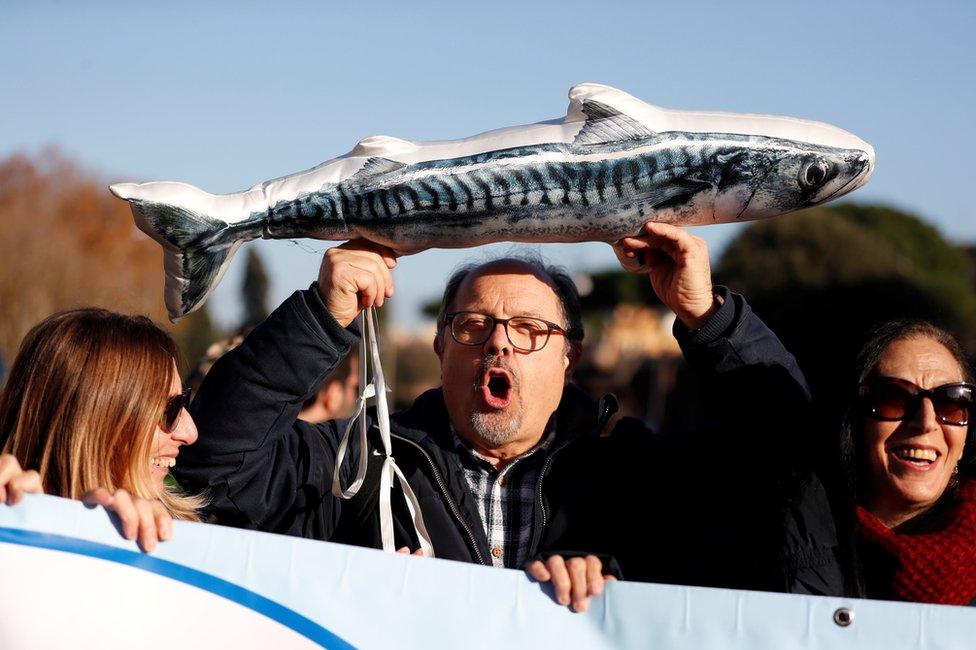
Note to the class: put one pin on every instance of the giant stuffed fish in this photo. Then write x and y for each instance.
(611, 164)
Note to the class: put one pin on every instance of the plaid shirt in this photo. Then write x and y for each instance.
(506, 499)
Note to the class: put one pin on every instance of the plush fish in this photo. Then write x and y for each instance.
(613, 163)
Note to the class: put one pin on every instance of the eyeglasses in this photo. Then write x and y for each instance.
(890, 399)
(174, 409)
(525, 333)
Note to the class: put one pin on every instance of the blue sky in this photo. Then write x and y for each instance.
(225, 95)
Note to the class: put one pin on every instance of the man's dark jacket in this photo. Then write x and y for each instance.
(730, 505)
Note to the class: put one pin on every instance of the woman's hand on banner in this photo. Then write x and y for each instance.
(144, 520)
(354, 276)
(16, 481)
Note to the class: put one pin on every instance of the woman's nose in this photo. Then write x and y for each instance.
(925, 417)
(186, 429)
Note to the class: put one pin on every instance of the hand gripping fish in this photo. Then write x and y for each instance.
(613, 163)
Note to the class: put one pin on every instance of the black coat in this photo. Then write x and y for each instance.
(732, 505)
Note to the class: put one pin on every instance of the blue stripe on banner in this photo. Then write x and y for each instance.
(256, 602)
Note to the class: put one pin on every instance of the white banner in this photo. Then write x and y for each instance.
(68, 579)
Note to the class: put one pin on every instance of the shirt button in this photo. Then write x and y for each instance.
(496, 552)
(501, 480)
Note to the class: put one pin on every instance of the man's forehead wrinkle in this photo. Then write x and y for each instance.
(510, 268)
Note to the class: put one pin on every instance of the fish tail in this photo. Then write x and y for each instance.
(197, 248)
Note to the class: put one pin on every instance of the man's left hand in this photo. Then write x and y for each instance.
(677, 263)
(574, 580)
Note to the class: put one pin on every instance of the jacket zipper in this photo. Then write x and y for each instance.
(601, 422)
(472, 542)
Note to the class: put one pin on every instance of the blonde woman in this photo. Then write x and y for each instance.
(93, 409)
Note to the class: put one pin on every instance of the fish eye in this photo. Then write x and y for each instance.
(813, 174)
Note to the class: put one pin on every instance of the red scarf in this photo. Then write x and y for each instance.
(934, 565)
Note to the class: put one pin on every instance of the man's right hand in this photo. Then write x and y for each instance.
(677, 263)
(574, 580)
(354, 276)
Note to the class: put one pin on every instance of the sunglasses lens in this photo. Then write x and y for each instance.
(893, 399)
(952, 404)
(889, 401)
(952, 413)
(174, 408)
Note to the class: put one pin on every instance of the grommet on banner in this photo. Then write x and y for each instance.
(844, 616)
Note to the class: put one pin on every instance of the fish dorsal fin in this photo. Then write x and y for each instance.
(378, 165)
(605, 123)
(382, 145)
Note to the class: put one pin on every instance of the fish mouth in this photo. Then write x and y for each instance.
(857, 180)
(497, 388)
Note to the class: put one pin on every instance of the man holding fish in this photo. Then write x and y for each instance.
(509, 463)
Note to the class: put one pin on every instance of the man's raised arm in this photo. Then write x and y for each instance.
(261, 466)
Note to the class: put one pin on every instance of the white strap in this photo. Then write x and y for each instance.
(376, 390)
(366, 391)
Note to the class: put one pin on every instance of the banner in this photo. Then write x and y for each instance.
(68, 579)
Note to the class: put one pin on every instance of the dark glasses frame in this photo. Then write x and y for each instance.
(957, 394)
(450, 319)
(173, 410)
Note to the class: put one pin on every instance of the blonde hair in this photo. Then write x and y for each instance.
(82, 400)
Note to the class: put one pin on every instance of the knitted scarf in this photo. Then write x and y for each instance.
(934, 563)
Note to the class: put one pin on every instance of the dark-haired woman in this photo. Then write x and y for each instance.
(910, 444)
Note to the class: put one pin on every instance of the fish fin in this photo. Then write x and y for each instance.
(377, 165)
(674, 193)
(196, 250)
(606, 124)
(382, 145)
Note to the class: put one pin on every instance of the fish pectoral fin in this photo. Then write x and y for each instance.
(606, 124)
(376, 165)
(674, 194)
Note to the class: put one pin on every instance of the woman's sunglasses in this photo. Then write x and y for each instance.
(890, 399)
(174, 408)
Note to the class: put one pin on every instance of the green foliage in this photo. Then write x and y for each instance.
(822, 278)
(194, 334)
(813, 248)
(254, 289)
(939, 267)
(839, 249)
(614, 287)
(431, 307)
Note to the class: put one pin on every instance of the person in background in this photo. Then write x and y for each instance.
(213, 352)
(908, 443)
(93, 409)
(336, 397)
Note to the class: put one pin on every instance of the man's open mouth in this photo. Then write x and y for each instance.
(496, 388)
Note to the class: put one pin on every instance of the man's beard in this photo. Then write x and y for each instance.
(498, 427)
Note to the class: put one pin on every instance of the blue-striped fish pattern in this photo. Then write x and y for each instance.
(613, 176)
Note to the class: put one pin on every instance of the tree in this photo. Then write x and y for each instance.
(66, 242)
(254, 290)
(823, 277)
